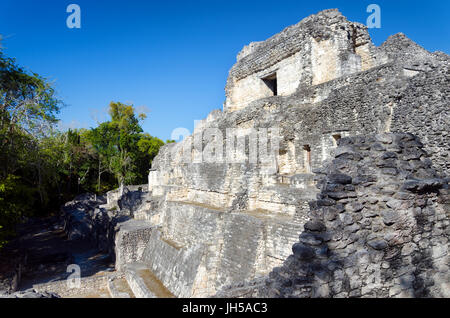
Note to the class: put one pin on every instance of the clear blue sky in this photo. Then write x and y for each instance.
(173, 57)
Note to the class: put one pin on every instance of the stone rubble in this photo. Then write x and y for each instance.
(385, 233)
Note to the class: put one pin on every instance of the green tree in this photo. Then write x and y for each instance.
(16, 200)
(28, 108)
(123, 149)
(41, 166)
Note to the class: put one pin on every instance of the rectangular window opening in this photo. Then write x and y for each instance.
(307, 158)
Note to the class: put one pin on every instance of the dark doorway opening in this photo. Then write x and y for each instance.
(271, 82)
(336, 138)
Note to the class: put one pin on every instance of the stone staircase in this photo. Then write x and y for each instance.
(119, 288)
(135, 281)
(138, 281)
(195, 236)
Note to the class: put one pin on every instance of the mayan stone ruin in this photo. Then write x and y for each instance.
(352, 199)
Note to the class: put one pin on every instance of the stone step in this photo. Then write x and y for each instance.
(270, 217)
(260, 214)
(119, 288)
(143, 214)
(199, 205)
(144, 283)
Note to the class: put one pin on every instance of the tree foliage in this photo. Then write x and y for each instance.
(41, 167)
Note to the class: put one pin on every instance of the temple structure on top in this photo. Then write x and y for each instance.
(318, 49)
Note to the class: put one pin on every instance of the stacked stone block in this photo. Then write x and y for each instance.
(378, 229)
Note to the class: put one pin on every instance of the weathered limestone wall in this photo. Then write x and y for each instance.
(379, 228)
(198, 248)
(131, 240)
